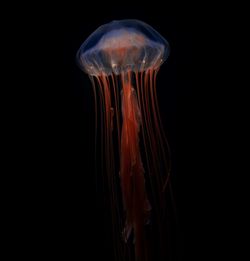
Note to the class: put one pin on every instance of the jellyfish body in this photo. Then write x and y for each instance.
(122, 59)
(122, 46)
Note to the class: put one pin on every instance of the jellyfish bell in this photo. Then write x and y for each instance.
(122, 46)
(128, 54)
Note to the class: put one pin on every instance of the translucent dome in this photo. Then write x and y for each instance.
(121, 46)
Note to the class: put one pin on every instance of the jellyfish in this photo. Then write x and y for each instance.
(122, 59)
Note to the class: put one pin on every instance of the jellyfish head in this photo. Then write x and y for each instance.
(122, 46)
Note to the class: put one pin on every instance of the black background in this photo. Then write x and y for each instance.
(57, 142)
